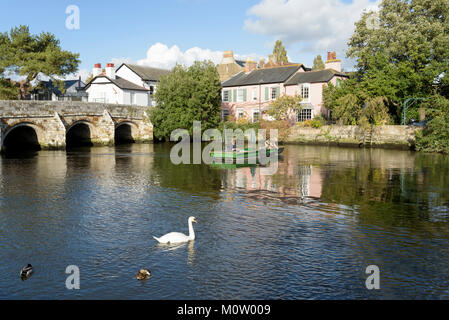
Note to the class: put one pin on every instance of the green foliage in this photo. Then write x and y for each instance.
(347, 109)
(283, 106)
(282, 126)
(375, 111)
(30, 55)
(403, 55)
(435, 136)
(187, 95)
(317, 122)
(8, 91)
(318, 63)
(279, 52)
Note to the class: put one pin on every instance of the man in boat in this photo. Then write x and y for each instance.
(269, 145)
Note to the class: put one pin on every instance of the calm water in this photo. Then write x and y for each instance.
(307, 232)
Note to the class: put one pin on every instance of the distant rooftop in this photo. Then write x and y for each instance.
(147, 73)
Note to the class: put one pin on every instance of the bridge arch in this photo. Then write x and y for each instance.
(125, 132)
(79, 134)
(23, 136)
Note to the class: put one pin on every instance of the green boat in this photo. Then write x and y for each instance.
(243, 154)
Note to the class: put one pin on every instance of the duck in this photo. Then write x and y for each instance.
(26, 272)
(143, 274)
(177, 237)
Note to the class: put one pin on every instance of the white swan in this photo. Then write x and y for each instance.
(177, 237)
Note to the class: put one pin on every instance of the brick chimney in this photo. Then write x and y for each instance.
(250, 65)
(332, 61)
(97, 70)
(110, 71)
(228, 57)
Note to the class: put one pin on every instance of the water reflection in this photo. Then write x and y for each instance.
(323, 217)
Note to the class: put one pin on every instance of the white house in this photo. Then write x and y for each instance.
(129, 84)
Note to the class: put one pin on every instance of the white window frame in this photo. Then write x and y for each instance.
(224, 114)
(303, 86)
(227, 97)
(254, 94)
(304, 118)
(240, 94)
(240, 113)
(255, 111)
(273, 93)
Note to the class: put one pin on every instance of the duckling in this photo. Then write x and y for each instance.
(26, 272)
(143, 274)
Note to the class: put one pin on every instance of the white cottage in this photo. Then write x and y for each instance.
(129, 84)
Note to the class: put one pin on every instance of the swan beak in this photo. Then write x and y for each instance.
(194, 220)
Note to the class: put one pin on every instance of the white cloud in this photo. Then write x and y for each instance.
(160, 55)
(317, 26)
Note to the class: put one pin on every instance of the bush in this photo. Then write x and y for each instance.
(435, 136)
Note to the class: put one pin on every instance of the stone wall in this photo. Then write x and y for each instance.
(51, 120)
(401, 137)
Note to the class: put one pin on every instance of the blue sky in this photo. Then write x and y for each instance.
(126, 30)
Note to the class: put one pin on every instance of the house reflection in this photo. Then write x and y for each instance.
(290, 182)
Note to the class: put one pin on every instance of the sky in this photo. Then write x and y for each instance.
(163, 33)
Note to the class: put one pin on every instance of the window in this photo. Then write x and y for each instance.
(225, 114)
(304, 91)
(305, 114)
(226, 96)
(255, 115)
(241, 95)
(240, 113)
(151, 90)
(273, 93)
(254, 95)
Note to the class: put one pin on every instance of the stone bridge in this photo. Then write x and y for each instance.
(58, 124)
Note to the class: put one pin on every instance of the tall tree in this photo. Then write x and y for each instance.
(29, 56)
(279, 53)
(318, 63)
(409, 43)
(187, 95)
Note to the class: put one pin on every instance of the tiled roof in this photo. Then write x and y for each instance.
(262, 76)
(147, 73)
(314, 76)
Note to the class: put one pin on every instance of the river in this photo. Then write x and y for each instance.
(307, 232)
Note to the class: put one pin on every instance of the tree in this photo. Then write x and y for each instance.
(347, 109)
(29, 56)
(279, 53)
(318, 63)
(435, 136)
(409, 42)
(281, 108)
(187, 95)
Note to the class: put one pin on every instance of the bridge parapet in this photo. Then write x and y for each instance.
(51, 120)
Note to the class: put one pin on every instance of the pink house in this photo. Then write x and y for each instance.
(249, 93)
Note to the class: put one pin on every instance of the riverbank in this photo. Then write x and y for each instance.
(391, 136)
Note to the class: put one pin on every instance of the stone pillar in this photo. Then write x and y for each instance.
(104, 131)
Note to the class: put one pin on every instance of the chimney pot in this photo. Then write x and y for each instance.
(97, 69)
(110, 71)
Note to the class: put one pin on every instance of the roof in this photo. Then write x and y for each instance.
(240, 63)
(119, 82)
(314, 76)
(67, 84)
(262, 76)
(147, 73)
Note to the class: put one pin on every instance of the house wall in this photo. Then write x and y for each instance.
(127, 74)
(250, 104)
(103, 91)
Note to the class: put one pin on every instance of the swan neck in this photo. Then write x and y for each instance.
(191, 231)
